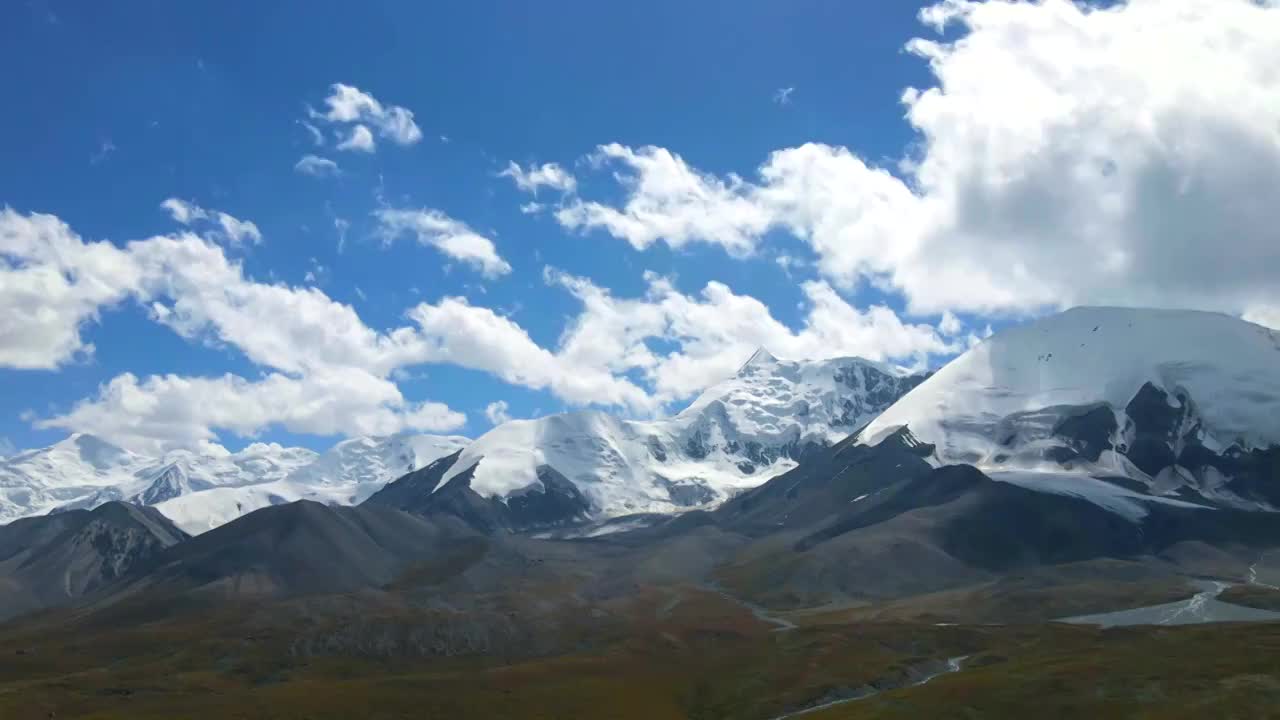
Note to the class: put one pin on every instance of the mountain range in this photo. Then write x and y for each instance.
(734, 436)
(201, 491)
(1093, 461)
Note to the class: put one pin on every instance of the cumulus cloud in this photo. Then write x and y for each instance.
(612, 340)
(716, 329)
(950, 324)
(548, 175)
(351, 105)
(1127, 155)
(194, 289)
(782, 96)
(459, 333)
(316, 166)
(325, 371)
(328, 370)
(670, 202)
(496, 412)
(51, 283)
(233, 229)
(451, 237)
(162, 412)
(360, 139)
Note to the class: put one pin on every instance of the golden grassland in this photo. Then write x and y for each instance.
(661, 656)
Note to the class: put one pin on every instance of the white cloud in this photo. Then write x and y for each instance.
(105, 148)
(325, 371)
(162, 412)
(349, 104)
(341, 225)
(360, 140)
(950, 324)
(782, 96)
(451, 237)
(670, 202)
(459, 333)
(532, 208)
(183, 212)
(51, 283)
(716, 329)
(1126, 155)
(548, 175)
(233, 229)
(329, 369)
(496, 412)
(317, 137)
(608, 342)
(202, 295)
(398, 125)
(317, 166)
(789, 263)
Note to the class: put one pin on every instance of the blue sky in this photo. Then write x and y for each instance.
(116, 108)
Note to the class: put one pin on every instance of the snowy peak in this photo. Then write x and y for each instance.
(736, 435)
(198, 490)
(761, 359)
(828, 397)
(1182, 401)
(92, 451)
(368, 463)
(172, 481)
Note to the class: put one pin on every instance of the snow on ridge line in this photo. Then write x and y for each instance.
(734, 436)
(1229, 367)
(1108, 496)
(85, 471)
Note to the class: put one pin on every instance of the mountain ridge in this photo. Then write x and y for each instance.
(734, 436)
(1186, 403)
(198, 490)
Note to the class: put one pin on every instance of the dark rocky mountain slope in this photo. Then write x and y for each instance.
(63, 558)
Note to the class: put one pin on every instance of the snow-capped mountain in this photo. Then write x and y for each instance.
(73, 470)
(1186, 403)
(202, 491)
(736, 435)
(345, 474)
(83, 471)
(368, 463)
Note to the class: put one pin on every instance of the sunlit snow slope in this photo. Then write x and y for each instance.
(201, 491)
(736, 435)
(1183, 401)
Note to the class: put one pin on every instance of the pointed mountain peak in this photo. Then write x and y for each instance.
(760, 358)
(93, 449)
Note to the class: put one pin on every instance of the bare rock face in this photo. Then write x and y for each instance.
(303, 548)
(60, 559)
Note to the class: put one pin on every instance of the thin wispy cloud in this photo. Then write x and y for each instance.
(105, 148)
(224, 225)
(316, 166)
